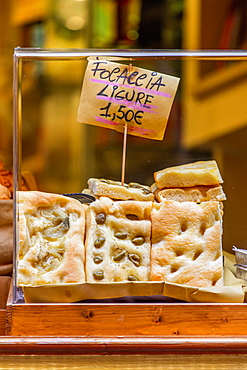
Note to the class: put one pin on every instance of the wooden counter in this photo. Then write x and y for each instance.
(123, 353)
(129, 319)
(131, 351)
(124, 329)
(122, 345)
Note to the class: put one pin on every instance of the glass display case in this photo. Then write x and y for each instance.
(59, 145)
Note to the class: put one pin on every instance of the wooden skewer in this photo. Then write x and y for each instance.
(124, 152)
(125, 144)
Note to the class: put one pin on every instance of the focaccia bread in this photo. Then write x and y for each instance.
(186, 243)
(115, 190)
(51, 239)
(189, 175)
(196, 194)
(118, 241)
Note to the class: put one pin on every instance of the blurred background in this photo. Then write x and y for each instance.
(208, 117)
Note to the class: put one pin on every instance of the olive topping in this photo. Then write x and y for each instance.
(138, 240)
(97, 259)
(100, 218)
(105, 181)
(119, 256)
(132, 278)
(146, 191)
(98, 275)
(135, 259)
(138, 186)
(121, 235)
(135, 185)
(66, 223)
(99, 242)
(132, 217)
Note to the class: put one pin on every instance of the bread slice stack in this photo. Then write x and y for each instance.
(187, 225)
(118, 191)
(197, 182)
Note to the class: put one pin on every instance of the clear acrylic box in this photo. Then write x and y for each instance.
(208, 120)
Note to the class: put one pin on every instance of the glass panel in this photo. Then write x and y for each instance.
(208, 120)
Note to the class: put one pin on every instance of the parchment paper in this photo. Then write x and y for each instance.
(232, 292)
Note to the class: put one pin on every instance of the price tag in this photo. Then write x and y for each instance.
(114, 95)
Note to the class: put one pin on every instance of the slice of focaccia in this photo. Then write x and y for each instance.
(196, 194)
(51, 239)
(115, 190)
(186, 243)
(118, 241)
(189, 175)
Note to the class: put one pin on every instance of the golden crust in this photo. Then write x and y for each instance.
(115, 190)
(196, 194)
(118, 240)
(51, 234)
(186, 243)
(189, 175)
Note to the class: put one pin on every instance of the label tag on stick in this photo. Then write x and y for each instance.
(114, 94)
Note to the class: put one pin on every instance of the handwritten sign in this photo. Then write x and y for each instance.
(114, 95)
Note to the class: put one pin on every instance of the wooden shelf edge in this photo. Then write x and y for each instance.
(136, 320)
(123, 345)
